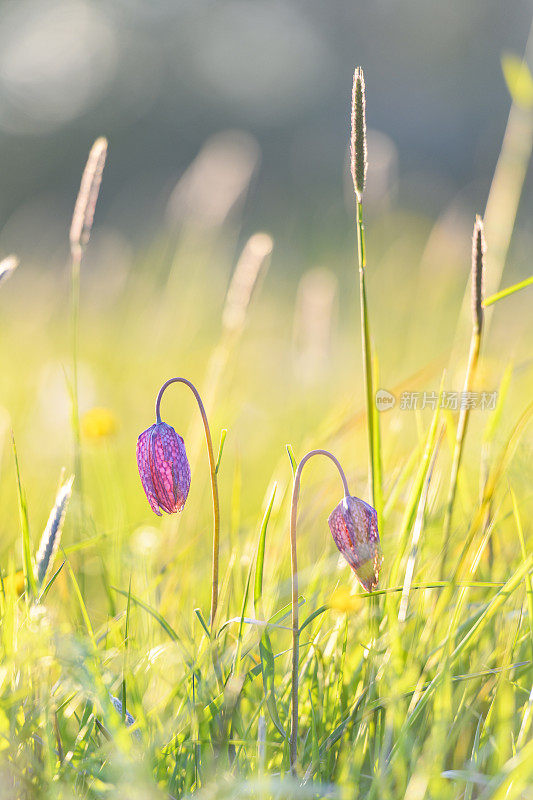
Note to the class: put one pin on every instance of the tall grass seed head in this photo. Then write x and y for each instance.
(478, 254)
(358, 152)
(82, 219)
(354, 527)
(164, 468)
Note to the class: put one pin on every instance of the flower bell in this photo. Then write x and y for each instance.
(164, 468)
(354, 527)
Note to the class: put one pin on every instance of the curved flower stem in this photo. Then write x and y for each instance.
(214, 485)
(294, 572)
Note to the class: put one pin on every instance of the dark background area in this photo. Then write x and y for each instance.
(158, 78)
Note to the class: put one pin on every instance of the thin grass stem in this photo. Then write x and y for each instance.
(462, 424)
(366, 347)
(478, 253)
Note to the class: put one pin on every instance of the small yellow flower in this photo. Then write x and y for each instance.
(98, 423)
(344, 600)
(15, 583)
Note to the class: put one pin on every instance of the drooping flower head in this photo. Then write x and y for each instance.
(164, 468)
(354, 527)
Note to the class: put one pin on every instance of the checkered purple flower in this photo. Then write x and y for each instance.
(163, 467)
(354, 526)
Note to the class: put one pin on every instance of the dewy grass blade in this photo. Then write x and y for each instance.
(527, 577)
(221, 448)
(507, 292)
(153, 613)
(417, 530)
(29, 575)
(292, 458)
(482, 619)
(51, 582)
(416, 491)
(260, 558)
(203, 623)
(125, 657)
(378, 464)
(265, 646)
(82, 605)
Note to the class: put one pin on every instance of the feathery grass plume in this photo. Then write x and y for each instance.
(478, 254)
(8, 266)
(82, 219)
(358, 152)
(52, 533)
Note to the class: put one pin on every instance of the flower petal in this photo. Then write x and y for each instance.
(143, 462)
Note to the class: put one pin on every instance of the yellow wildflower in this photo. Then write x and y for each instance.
(344, 600)
(98, 423)
(15, 583)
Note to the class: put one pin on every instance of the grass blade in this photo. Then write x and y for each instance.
(507, 292)
(265, 646)
(29, 574)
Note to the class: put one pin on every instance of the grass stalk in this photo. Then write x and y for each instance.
(365, 339)
(358, 153)
(478, 252)
(75, 268)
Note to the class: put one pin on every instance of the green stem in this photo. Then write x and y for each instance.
(76, 259)
(367, 355)
(293, 741)
(214, 485)
(462, 424)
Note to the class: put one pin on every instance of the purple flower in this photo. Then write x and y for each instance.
(354, 526)
(163, 467)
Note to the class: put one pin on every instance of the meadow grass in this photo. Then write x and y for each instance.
(114, 682)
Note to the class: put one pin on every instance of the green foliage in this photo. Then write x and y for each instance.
(112, 682)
